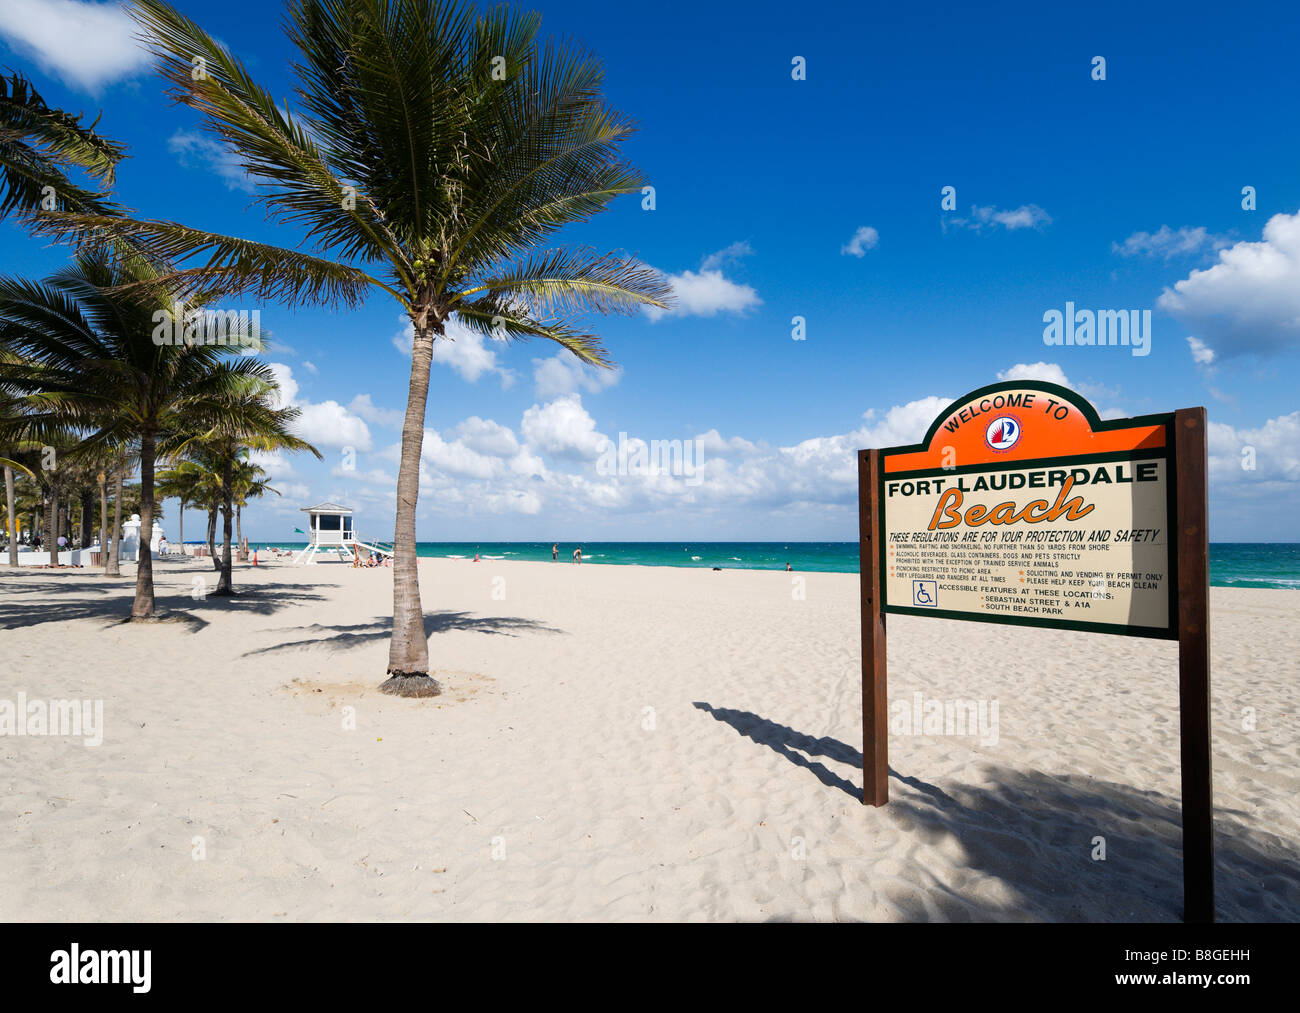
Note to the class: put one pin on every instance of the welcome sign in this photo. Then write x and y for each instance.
(1021, 505)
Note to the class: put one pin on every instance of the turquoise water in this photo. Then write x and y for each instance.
(1250, 564)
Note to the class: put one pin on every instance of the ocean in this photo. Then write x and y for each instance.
(1232, 564)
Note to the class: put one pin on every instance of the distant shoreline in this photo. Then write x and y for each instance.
(1266, 565)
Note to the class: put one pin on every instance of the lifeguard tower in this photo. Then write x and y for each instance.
(330, 530)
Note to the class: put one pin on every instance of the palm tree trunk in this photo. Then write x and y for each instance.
(51, 537)
(103, 519)
(224, 584)
(87, 518)
(239, 527)
(212, 538)
(112, 565)
(408, 653)
(142, 608)
(11, 517)
(180, 526)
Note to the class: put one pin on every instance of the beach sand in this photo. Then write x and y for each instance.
(618, 743)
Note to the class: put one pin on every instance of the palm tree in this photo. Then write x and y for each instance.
(435, 152)
(196, 481)
(90, 362)
(250, 482)
(252, 419)
(37, 145)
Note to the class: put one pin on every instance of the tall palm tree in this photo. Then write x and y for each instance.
(435, 151)
(91, 363)
(252, 420)
(38, 144)
(250, 482)
(196, 480)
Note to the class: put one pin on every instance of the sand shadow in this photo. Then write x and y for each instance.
(1036, 832)
(336, 638)
(110, 602)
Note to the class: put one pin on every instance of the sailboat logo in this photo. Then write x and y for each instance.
(1003, 433)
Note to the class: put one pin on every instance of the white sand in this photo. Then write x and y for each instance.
(538, 787)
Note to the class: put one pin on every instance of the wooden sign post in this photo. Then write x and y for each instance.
(1022, 506)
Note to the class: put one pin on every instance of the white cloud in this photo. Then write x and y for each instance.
(310, 367)
(708, 292)
(1027, 216)
(711, 442)
(864, 239)
(1169, 243)
(485, 436)
(1048, 371)
(463, 350)
(564, 373)
(362, 406)
(454, 457)
(197, 151)
(1202, 354)
(727, 256)
(550, 465)
(329, 424)
(1274, 449)
(325, 424)
(87, 45)
(1249, 302)
(562, 428)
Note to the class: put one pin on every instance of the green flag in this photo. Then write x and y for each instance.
(300, 531)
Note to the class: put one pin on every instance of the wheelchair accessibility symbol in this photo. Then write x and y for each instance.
(926, 593)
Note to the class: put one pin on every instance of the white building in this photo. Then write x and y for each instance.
(329, 530)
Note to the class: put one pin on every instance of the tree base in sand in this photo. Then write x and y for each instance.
(407, 684)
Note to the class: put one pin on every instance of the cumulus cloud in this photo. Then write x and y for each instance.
(708, 292)
(467, 352)
(1249, 302)
(325, 424)
(1048, 371)
(484, 436)
(1169, 243)
(86, 45)
(1269, 453)
(562, 428)
(365, 408)
(1202, 354)
(198, 151)
(727, 256)
(555, 464)
(1027, 216)
(563, 373)
(864, 239)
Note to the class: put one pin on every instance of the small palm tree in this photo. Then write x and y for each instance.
(197, 482)
(250, 482)
(436, 150)
(38, 144)
(89, 362)
(251, 419)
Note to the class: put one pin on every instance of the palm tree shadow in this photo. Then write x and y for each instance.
(110, 602)
(336, 638)
(1037, 833)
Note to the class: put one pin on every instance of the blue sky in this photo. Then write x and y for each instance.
(1123, 193)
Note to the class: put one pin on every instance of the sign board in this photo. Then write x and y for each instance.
(1021, 505)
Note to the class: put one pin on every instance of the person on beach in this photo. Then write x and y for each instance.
(787, 567)
(577, 555)
(555, 552)
(162, 546)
